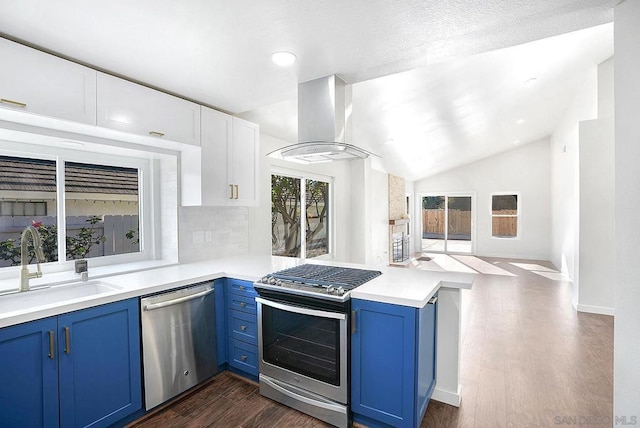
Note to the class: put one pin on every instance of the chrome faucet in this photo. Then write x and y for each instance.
(25, 275)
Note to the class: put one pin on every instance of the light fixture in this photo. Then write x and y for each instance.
(389, 142)
(520, 121)
(516, 142)
(283, 58)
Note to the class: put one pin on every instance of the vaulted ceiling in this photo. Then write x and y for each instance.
(435, 84)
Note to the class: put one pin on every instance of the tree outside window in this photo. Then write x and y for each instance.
(290, 197)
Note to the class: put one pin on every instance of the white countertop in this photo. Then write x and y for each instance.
(396, 285)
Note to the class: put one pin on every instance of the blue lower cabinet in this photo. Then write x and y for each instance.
(392, 363)
(242, 327)
(221, 322)
(100, 379)
(78, 369)
(29, 375)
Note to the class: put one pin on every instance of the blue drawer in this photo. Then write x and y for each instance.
(243, 288)
(242, 303)
(243, 326)
(243, 356)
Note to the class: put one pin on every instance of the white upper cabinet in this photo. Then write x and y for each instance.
(225, 171)
(129, 107)
(35, 82)
(245, 149)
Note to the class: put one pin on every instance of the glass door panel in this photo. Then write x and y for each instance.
(447, 224)
(459, 224)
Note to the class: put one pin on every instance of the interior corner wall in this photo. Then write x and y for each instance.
(524, 170)
(565, 210)
(259, 217)
(626, 367)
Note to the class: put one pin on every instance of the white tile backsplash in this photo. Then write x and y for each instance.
(229, 227)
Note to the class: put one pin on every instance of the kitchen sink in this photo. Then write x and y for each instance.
(54, 295)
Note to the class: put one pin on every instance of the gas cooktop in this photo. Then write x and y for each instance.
(327, 282)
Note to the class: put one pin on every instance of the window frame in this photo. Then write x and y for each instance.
(303, 176)
(145, 200)
(517, 215)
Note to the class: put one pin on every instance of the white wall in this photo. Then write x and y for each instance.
(260, 217)
(597, 191)
(565, 210)
(525, 170)
(626, 401)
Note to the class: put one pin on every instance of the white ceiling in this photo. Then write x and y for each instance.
(442, 105)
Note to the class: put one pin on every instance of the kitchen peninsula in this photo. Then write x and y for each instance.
(398, 287)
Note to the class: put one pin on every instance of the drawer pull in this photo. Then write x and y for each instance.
(241, 288)
(243, 327)
(67, 341)
(243, 358)
(156, 133)
(51, 348)
(13, 103)
(243, 304)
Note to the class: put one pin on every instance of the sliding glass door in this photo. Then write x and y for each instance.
(447, 223)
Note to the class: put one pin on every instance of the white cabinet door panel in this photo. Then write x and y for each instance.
(35, 82)
(216, 134)
(129, 107)
(244, 161)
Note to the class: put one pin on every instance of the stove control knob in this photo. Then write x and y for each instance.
(331, 289)
(272, 281)
(265, 280)
(340, 291)
(278, 283)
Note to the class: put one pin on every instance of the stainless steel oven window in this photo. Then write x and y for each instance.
(305, 347)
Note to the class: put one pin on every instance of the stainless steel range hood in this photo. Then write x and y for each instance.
(324, 116)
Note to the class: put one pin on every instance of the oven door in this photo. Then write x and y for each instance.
(304, 347)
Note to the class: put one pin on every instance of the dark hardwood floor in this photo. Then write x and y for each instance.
(528, 360)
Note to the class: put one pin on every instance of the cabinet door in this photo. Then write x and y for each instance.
(245, 151)
(134, 108)
(215, 157)
(29, 375)
(36, 82)
(383, 361)
(99, 349)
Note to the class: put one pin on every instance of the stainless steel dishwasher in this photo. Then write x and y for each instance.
(178, 341)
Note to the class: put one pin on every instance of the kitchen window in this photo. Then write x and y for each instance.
(95, 205)
(504, 215)
(298, 202)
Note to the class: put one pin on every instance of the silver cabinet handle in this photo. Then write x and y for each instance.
(14, 103)
(237, 191)
(152, 306)
(243, 327)
(67, 340)
(243, 358)
(433, 300)
(156, 133)
(243, 304)
(52, 350)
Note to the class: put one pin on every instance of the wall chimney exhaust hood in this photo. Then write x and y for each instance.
(324, 124)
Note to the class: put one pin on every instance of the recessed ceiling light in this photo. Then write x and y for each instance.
(520, 121)
(516, 142)
(389, 141)
(283, 59)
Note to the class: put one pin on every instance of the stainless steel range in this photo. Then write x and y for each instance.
(303, 338)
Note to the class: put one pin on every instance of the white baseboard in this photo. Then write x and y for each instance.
(600, 310)
(446, 397)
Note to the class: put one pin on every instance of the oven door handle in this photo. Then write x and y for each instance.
(303, 311)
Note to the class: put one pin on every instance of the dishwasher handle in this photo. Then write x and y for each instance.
(152, 306)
